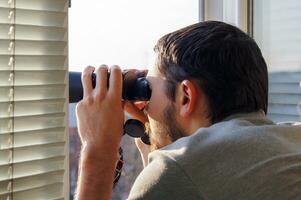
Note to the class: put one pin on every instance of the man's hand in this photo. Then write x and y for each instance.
(135, 110)
(100, 120)
(100, 113)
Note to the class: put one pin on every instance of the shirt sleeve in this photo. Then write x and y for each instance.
(163, 178)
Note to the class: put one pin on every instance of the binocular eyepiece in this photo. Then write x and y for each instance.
(135, 86)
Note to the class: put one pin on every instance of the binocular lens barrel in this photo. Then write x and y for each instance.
(135, 86)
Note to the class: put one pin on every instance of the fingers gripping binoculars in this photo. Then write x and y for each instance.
(135, 88)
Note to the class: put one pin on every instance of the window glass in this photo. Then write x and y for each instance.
(277, 30)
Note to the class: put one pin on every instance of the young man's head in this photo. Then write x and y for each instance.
(204, 73)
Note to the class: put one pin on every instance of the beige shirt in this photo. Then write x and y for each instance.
(246, 156)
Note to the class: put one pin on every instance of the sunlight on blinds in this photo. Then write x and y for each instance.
(33, 99)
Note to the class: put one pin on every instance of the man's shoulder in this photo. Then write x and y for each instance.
(163, 178)
(216, 158)
(238, 134)
(223, 160)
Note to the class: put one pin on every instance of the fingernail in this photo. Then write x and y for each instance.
(115, 66)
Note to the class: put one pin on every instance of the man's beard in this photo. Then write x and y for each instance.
(166, 131)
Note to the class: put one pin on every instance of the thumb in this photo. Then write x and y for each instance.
(135, 112)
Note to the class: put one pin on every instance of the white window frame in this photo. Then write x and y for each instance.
(235, 12)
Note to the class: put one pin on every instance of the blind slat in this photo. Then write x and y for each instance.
(283, 109)
(33, 17)
(32, 138)
(31, 32)
(53, 191)
(31, 153)
(34, 62)
(23, 78)
(285, 98)
(287, 88)
(52, 5)
(32, 108)
(22, 47)
(283, 118)
(22, 184)
(36, 130)
(32, 123)
(32, 168)
(35, 137)
(33, 92)
(285, 77)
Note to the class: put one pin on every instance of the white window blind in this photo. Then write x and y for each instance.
(33, 99)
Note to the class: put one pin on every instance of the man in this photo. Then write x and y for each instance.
(207, 125)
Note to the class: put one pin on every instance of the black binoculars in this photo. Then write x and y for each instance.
(135, 86)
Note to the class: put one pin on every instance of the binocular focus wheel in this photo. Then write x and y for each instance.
(136, 129)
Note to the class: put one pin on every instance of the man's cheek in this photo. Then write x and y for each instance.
(151, 127)
(153, 131)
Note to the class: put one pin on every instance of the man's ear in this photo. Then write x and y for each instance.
(187, 96)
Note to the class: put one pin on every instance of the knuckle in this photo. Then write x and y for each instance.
(79, 106)
(100, 96)
(89, 100)
(86, 101)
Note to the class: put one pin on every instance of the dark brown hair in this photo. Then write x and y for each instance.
(226, 63)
